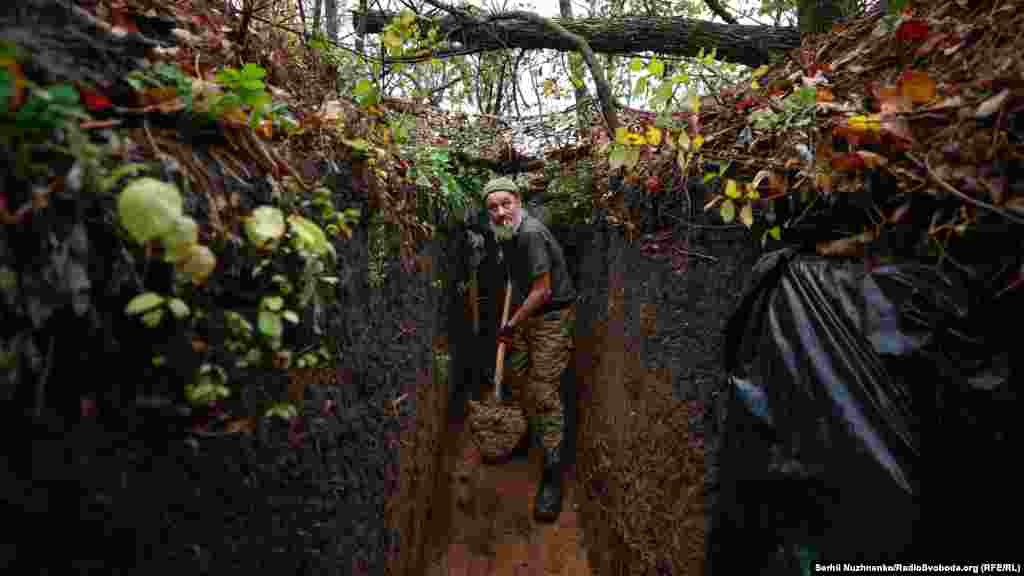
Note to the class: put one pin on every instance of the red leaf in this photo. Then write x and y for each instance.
(813, 69)
(93, 100)
(912, 30)
(745, 103)
(847, 162)
(120, 19)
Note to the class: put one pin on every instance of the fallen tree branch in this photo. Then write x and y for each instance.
(739, 43)
(720, 11)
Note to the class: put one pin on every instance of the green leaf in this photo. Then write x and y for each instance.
(272, 303)
(727, 210)
(179, 241)
(656, 68)
(775, 232)
(269, 323)
(158, 360)
(359, 145)
(617, 158)
(153, 317)
(178, 308)
(253, 71)
(149, 208)
(64, 95)
(121, 171)
(264, 226)
(291, 316)
(636, 64)
(641, 85)
(143, 302)
(282, 410)
(309, 237)
(709, 177)
(632, 157)
(6, 88)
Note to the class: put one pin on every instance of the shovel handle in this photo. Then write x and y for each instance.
(499, 363)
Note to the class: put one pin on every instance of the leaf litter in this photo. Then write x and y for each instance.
(930, 98)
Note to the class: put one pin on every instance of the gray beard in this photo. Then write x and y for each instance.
(506, 232)
(503, 233)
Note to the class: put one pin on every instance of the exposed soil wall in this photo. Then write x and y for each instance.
(648, 360)
(343, 491)
(116, 472)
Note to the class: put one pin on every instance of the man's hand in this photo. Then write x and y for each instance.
(506, 334)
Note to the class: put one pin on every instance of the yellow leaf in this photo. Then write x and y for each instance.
(871, 123)
(747, 215)
(622, 135)
(761, 71)
(698, 142)
(695, 103)
(632, 157)
(654, 135)
(730, 189)
(684, 140)
(752, 192)
(636, 139)
(683, 159)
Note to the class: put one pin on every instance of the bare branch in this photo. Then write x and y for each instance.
(720, 11)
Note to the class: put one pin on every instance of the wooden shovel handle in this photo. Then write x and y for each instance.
(499, 364)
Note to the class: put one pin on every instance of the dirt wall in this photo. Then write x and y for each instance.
(649, 334)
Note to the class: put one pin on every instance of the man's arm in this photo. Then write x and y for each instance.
(540, 294)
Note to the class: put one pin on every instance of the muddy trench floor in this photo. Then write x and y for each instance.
(489, 527)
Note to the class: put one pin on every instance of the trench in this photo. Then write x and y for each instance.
(639, 397)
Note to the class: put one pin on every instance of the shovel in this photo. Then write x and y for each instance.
(497, 429)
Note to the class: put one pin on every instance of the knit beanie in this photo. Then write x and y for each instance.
(502, 184)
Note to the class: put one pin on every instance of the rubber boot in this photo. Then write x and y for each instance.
(548, 503)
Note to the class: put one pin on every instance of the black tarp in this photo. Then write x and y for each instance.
(867, 417)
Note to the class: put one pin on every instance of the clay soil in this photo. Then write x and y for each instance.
(489, 528)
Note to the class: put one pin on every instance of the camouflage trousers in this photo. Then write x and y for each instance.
(538, 356)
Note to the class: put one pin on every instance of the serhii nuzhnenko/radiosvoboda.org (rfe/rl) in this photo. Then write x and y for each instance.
(1003, 568)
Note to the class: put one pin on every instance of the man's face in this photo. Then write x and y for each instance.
(503, 208)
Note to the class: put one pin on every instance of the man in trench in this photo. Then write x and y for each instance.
(538, 334)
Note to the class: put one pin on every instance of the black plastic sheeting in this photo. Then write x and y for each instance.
(868, 418)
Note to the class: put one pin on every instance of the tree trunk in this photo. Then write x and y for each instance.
(331, 18)
(579, 90)
(361, 31)
(742, 44)
(318, 7)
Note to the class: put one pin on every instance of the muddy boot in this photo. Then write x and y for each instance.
(548, 503)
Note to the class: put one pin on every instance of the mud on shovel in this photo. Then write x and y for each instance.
(497, 428)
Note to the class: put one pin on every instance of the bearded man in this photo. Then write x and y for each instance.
(538, 334)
